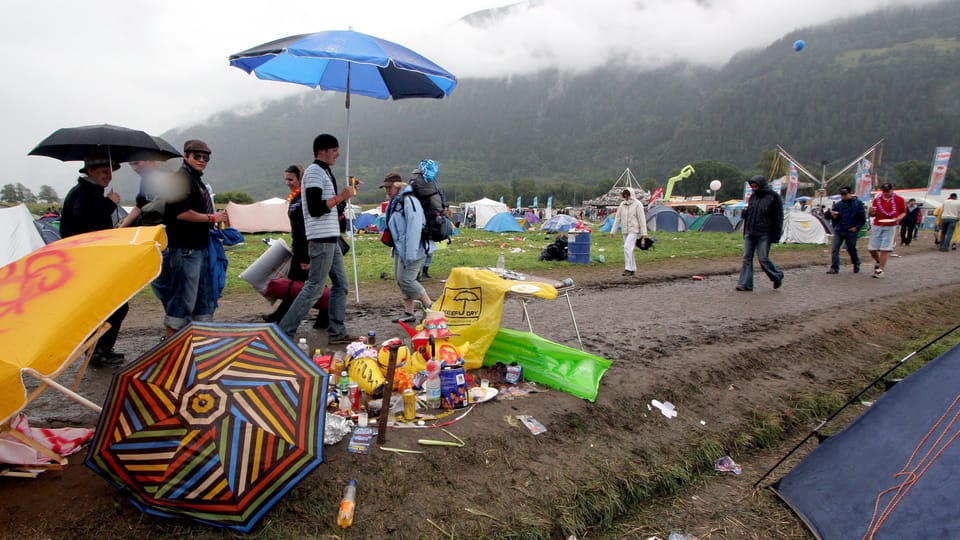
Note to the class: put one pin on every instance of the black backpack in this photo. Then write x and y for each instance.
(438, 225)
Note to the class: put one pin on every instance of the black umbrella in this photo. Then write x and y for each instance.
(120, 144)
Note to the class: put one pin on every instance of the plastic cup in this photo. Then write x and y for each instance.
(484, 384)
(362, 419)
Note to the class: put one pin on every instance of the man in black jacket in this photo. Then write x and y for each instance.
(86, 208)
(848, 218)
(762, 224)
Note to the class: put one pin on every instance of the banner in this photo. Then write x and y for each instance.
(536, 201)
(747, 192)
(777, 185)
(938, 171)
(863, 180)
(501, 199)
(655, 196)
(519, 205)
(550, 201)
(793, 181)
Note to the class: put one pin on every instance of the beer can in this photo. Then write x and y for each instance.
(353, 391)
(409, 404)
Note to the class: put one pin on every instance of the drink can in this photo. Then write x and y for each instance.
(514, 373)
(409, 404)
(353, 390)
(371, 339)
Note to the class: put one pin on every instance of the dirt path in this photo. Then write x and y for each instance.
(719, 355)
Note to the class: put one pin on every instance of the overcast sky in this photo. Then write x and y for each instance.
(158, 64)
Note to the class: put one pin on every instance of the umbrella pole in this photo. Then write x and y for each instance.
(353, 240)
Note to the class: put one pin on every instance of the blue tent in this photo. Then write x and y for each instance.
(559, 223)
(503, 222)
(664, 218)
(364, 220)
(712, 223)
(607, 224)
(889, 474)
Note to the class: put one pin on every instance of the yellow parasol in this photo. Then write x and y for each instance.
(56, 297)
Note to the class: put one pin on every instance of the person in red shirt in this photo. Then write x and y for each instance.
(887, 210)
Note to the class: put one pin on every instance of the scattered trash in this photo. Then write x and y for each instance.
(696, 278)
(866, 403)
(431, 442)
(681, 536)
(532, 424)
(702, 423)
(336, 428)
(726, 464)
(668, 409)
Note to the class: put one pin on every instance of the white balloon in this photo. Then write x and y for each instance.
(716, 185)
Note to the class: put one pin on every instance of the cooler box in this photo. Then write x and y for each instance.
(578, 247)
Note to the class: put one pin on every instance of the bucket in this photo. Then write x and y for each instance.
(578, 248)
(453, 388)
(365, 371)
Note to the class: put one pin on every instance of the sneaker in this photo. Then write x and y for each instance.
(341, 339)
(628, 273)
(739, 288)
(834, 271)
(407, 318)
(878, 273)
(777, 284)
(856, 269)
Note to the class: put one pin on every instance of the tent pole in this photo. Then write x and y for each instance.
(850, 401)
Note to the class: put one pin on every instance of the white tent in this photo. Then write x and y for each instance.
(22, 236)
(264, 216)
(802, 228)
(483, 210)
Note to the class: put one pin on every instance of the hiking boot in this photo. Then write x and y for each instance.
(777, 284)
(856, 269)
(834, 271)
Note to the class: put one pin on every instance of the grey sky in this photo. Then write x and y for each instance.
(155, 65)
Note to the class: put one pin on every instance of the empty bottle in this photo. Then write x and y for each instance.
(500, 264)
(302, 345)
(348, 504)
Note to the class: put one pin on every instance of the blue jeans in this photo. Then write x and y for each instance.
(849, 239)
(759, 244)
(947, 226)
(325, 260)
(189, 287)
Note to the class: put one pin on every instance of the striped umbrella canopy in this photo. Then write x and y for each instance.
(216, 423)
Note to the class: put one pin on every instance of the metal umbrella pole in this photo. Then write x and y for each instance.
(353, 238)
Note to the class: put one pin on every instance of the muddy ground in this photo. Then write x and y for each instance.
(721, 356)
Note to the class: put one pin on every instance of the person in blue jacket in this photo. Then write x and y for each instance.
(848, 217)
(411, 247)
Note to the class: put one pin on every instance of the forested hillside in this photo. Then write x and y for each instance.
(892, 75)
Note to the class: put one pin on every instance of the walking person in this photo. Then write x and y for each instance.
(949, 213)
(849, 217)
(87, 208)
(323, 210)
(633, 223)
(762, 224)
(887, 210)
(406, 222)
(908, 229)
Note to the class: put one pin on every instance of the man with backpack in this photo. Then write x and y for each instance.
(410, 245)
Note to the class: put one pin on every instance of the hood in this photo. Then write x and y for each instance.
(760, 181)
(633, 196)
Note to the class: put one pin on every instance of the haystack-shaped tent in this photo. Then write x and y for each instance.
(482, 210)
(614, 196)
(559, 223)
(890, 473)
(803, 228)
(265, 216)
(503, 222)
(664, 218)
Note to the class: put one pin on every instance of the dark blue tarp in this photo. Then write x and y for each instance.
(894, 472)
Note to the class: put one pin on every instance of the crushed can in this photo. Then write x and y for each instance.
(514, 373)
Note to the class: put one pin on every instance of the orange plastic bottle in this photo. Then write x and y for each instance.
(347, 505)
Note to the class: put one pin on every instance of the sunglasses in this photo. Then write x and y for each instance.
(201, 157)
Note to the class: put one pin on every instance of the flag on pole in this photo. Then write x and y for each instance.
(550, 201)
(536, 201)
(655, 196)
(793, 181)
(777, 185)
(938, 172)
(501, 199)
(519, 200)
(863, 179)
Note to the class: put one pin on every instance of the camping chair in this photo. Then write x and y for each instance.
(83, 354)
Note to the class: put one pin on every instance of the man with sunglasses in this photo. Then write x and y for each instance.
(185, 286)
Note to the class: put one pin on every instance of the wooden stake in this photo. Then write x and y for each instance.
(387, 391)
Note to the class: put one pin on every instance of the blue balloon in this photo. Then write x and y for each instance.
(799, 44)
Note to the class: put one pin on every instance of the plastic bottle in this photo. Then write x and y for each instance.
(348, 504)
(344, 383)
(432, 384)
(500, 265)
(302, 345)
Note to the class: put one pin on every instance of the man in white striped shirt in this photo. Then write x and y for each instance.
(322, 214)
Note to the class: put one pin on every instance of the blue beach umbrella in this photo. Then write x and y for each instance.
(349, 62)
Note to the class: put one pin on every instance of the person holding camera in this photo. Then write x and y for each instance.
(848, 218)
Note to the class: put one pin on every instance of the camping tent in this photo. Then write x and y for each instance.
(664, 218)
(21, 236)
(264, 216)
(503, 222)
(712, 222)
(889, 473)
(482, 210)
(607, 224)
(803, 228)
(559, 223)
(364, 220)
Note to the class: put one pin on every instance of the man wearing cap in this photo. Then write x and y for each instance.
(887, 210)
(762, 224)
(848, 218)
(406, 222)
(323, 207)
(185, 285)
(86, 209)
